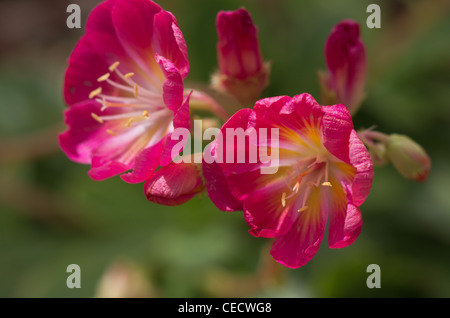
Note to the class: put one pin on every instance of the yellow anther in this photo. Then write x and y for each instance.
(283, 199)
(112, 133)
(303, 209)
(135, 90)
(95, 116)
(128, 75)
(113, 66)
(326, 184)
(129, 122)
(95, 92)
(145, 114)
(103, 78)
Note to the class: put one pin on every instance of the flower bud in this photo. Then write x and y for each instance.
(242, 71)
(346, 61)
(175, 183)
(408, 157)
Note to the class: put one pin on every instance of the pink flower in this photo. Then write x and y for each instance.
(323, 172)
(346, 60)
(243, 73)
(124, 88)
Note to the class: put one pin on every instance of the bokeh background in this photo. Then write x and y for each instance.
(52, 214)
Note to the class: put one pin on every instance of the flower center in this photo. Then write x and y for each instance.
(136, 103)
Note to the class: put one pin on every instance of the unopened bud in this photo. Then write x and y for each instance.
(242, 71)
(346, 61)
(408, 157)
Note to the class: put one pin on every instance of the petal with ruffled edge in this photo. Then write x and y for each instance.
(361, 160)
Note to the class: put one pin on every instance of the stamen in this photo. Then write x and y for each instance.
(303, 209)
(145, 114)
(135, 90)
(327, 184)
(128, 75)
(113, 66)
(95, 92)
(112, 133)
(283, 199)
(104, 77)
(129, 122)
(98, 119)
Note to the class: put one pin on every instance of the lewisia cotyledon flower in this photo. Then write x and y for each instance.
(324, 173)
(124, 89)
(347, 66)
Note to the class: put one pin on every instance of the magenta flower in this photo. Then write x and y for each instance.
(346, 60)
(243, 73)
(124, 86)
(323, 172)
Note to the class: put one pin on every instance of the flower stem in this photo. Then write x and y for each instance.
(202, 101)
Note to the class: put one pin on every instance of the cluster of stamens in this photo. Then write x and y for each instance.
(312, 164)
(127, 94)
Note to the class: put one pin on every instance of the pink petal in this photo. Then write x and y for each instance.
(94, 53)
(181, 120)
(174, 184)
(264, 209)
(218, 188)
(102, 171)
(173, 85)
(84, 134)
(350, 231)
(169, 42)
(299, 245)
(337, 127)
(85, 67)
(361, 160)
(133, 21)
(301, 113)
(145, 163)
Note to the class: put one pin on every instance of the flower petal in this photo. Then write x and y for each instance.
(101, 171)
(173, 84)
(145, 163)
(265, 208)
(133, 21)
(361, 160)
(84, 134)
(181, 119)
(349, 232)
(337, 127)
(299, 245)
(169, 42)
(85, 67)
(217, 186)
(174, 184)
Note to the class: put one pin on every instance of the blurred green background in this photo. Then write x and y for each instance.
(52, 214)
